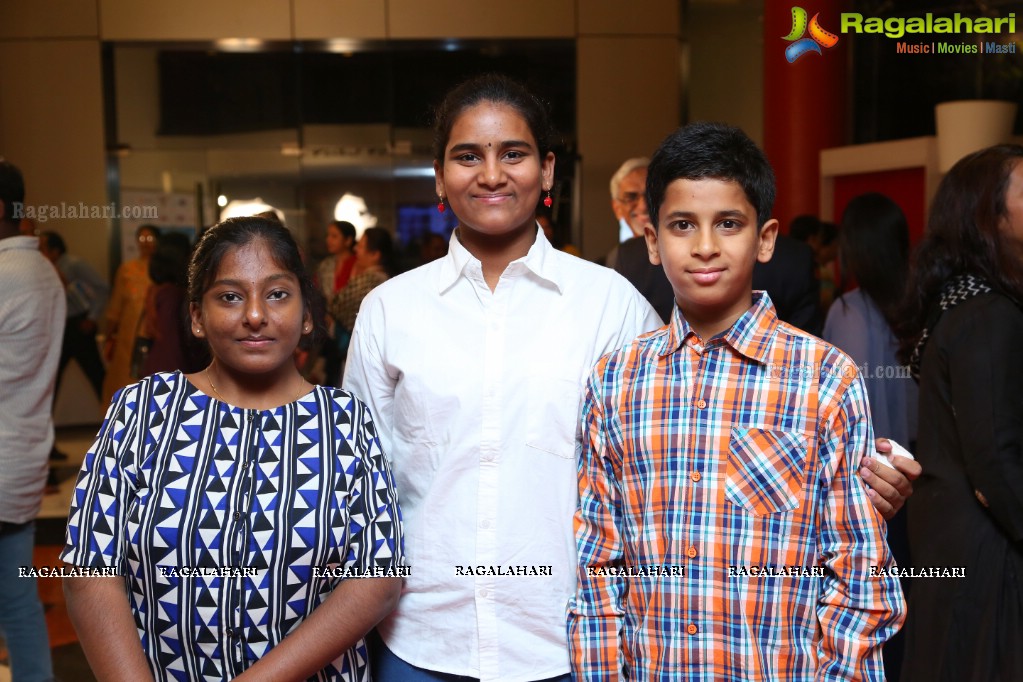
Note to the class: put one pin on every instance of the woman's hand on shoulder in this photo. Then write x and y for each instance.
(889, 487)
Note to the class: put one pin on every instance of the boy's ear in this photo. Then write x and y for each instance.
(768, 235)
(650, 235)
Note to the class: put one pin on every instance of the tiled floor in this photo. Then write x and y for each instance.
(68, 661)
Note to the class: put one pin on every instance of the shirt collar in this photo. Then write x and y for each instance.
(21, 242)
(751, 334)
(540, 260)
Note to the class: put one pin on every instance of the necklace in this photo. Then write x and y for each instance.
(206, 372)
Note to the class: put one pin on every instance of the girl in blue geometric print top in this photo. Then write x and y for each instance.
(240, 523)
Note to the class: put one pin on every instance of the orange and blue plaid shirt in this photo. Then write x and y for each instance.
(723, 530)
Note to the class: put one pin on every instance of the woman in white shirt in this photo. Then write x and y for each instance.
(474, 366)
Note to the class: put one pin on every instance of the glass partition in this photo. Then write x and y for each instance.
(315, 130)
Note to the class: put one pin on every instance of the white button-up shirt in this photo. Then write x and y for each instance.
(477, 395)
(31, 330)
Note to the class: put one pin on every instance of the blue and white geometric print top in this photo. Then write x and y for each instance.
(231, 525)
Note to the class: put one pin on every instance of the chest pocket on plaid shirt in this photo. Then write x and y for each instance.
(765, 470)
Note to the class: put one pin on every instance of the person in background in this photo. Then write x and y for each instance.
(27, 227)
(790, 279)
(805, 228)
(87, 293)
(32, 314)
(434, 246)
(249, 518)
(825, 254)
(627, 201)
(960, 332)
(374, 259)
(165, 320)
(630, 258)
(543, 217)
(873, 248)
(124, 312)
(333, 275)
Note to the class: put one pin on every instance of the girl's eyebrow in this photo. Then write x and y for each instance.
(471, 146)
(240, 283)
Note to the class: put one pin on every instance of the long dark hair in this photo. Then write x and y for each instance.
(237, 232)
(874, 248)
(379, 241)
(964, 236)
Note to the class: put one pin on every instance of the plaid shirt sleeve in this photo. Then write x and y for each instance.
(857, 611)
(596, 613)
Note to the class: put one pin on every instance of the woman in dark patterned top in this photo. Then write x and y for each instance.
(238, 522)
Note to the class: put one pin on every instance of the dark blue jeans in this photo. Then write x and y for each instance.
(21, 614)
(387, 667)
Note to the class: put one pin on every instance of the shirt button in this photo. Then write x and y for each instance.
(237, 515)
(691, 629)
(691, 553)
(484, 593)
(485, 523)
(695, 476)
(701, 403)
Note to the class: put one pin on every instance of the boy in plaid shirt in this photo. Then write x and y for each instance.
(723, 532)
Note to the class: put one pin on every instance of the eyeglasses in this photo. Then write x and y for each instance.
(630, 197)
(146, 238)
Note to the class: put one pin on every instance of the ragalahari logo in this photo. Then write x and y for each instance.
(818, 36)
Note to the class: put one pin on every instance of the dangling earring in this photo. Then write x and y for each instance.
(547, 201)
(440, 205)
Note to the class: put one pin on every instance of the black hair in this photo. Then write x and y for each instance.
(147, 228)
(499, 89)
(238, 232)
(828, 232)
(874, 248)
(964, 237)
(804, 226)
(714, 151)
(346, 229)
(54, 242)
(12, 189)
(379, 241)
(169, 262)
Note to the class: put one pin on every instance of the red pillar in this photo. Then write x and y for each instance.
(804, 102)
